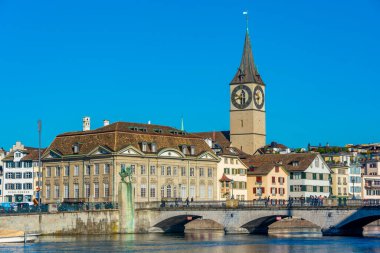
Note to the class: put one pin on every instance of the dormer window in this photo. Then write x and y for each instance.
(184, 149)
(17, 155)
(143, 129)
(157, 130)
(295, 163)
(75, 148)
(192, 150)
(154, 147)
(144, 146)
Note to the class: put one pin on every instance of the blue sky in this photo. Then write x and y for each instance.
(158, 60)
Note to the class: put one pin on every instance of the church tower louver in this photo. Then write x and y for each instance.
(247, 104)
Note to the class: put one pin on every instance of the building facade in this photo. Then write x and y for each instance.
(268, 181)
(19, 166)
(166, 163)
(2, 155)
(309, 175)
(247, 104)
(231, 171)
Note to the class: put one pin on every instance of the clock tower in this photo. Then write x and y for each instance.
(247, 104)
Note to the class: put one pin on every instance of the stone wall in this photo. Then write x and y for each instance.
(84, 222)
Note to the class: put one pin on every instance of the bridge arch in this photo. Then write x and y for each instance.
(354, 226)
(174, 224)
(260, 225)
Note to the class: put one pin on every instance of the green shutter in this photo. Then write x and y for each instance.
(303, 188)
(303, 175)
(291, 188)
(314, 188)
(291, 176)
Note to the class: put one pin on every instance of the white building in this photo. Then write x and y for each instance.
(2, 155)
(231, 171)
(355, 180)
(18, 174)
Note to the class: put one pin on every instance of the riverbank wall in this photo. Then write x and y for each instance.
(64, 223)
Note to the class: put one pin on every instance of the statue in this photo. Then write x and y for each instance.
(126, 172)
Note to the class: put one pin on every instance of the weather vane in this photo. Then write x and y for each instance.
(245, 13)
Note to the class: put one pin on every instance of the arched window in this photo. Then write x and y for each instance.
(169, 191)
(242, 97)
(174, 191)
(162, 191)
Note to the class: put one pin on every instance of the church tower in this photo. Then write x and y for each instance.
(247, 104)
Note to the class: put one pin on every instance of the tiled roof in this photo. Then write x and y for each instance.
(302, 159)
(31, 154)
(119, 135)
(221, 139)
(247, 72)
(225, 178)
(262, 169)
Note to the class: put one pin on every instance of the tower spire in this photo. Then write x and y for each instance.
(247, 71)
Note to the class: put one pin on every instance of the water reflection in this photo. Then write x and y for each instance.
(199, 242)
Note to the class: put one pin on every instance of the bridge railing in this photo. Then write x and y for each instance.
(272, 203)
(22, 208)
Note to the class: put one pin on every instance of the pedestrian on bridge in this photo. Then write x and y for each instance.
(187, 201)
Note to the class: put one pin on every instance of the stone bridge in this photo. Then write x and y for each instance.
(347, 220)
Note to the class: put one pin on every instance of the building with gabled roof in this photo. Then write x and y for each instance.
(309, 175)
(167, 163)
(231, 171)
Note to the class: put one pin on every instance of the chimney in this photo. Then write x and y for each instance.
(148, 122)
(106, 122)
(86, 123)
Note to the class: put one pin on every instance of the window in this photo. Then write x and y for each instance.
(316, 162)
(76, 171)
(273, 180)
(191, 172)
(106, 168)
(87, 190)
(96, 190)
(184, 149)
(142, 170)
(18, 186)
(169, 191)
(162, 170)
(210, 192)
(66, 191)
(209, 172)
(183, 171)
(192, 191)
(153, 191)
(202, 191)
(314, 188)
(57, 171)
(183, 191)
(225, 160)
(320, 176)
(175, 171)
(259, 180)
(76, 191)
(168, 171)
(67, 170)
(143, 191)
(192, 150)
(277, 169)
(162, 191)
(154, 147)
(88, 170)
(10, 175)
(27, 175)
(106, 190)
(48, 172)
(175, 191)
(273, 190)
(226, 170)
(231, 160)
(321, 188)
(143, 145)
(48, 191)
(314, 176)
(201, 172)
(152, 170)
(56, 191)
(96, 169)
(19, 175)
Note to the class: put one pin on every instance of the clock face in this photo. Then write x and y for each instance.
(241, 97)
(258, 94)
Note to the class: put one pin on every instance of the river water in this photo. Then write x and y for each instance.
(199, 243)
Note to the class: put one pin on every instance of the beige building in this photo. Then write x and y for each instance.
(247, 105)
(166, 163)
(340, 182)
(268, 180)
(231, 171)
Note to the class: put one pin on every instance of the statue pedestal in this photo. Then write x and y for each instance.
(126, 208)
